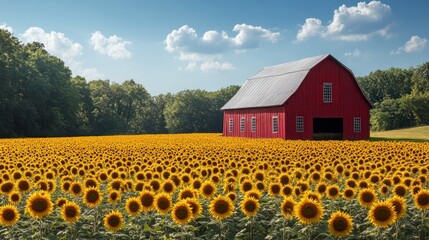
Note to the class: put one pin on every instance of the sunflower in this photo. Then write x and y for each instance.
(182, 212)
(232, 196)
(333, 191)
(61, 201)
(274, 189)
(321, 188)
(92, 197)
(168, 186)
(288, 207)
(400, 190)
(163, 203)
(260, 186)
(308, 211)
(286, 191)
(196, 184)
(382, 214)
(340, 224)
(284, 179)
(114, 196)
(421, 199)
(70, 212)
(383, 189)
(9, 215)
(39, 205)
(254, 194)
(415, 190)
(23, 185)
(15, 197)
(221, 207)
(249, 206)
(65, 186)
(195, 206)
(114, 221)
(91, 182)
(399, 205)
(187, 192)
(155, 184)
(313, 195)
(147, 199)
(133, 206)
(208, 189)
(367, 197)
(7, 187)
(76, 188)
(348, 194)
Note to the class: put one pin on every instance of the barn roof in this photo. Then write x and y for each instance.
(272, 86)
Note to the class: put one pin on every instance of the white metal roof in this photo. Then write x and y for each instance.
(272, 86)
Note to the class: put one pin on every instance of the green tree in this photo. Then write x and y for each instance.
(420, 79)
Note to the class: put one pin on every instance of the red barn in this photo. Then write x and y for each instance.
(312, 98)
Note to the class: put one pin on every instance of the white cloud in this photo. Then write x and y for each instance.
(415, 44)
(356, 23)
(6, 27)
(355, 53)
(206, 51)
(215, 65)
(57, 44)
(312, 27)
(112, 46)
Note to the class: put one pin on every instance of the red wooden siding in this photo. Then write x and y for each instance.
(263, 122)
(347, 102)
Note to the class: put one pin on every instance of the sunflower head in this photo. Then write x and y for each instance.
(254, 194)
(39, 205)
(399, 205)
(70, 212)
(15, 197)
(114, 196)
(340, 224)
(187, 192)
(400, 190)
(23, 185)
(274, 189)
(76, 189)
(61, 201)
(382, 214)
(147, 199)
(367, 197)
(195, 205)
(133, 206)
(249, 206)
(221, 207)
(309, 211)
(114, 221)
(9, 215)
(348, 193)
(287, 190)
(92, 197)
(333, 191)
(163, 203)
(288, 207)
(7, 187)
(208, 189)
(421, 199)
(182, 212)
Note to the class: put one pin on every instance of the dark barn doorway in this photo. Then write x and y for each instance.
(327, 128)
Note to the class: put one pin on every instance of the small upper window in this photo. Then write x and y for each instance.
(275, 124)
(299, 123)
(242, 124)
(253, 122)
(356, 125)
(327, 92)
(231, 125)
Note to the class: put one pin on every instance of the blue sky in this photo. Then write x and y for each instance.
(169, 46)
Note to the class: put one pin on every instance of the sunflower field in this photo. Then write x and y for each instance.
(204, 186)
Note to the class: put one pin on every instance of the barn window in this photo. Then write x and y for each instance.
(327, 92)
(299, 123)
(231, 125)
(253, 122)
(242, 124)
(275, 124)
(356, 124)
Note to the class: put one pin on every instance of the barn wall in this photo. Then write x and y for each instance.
(263, 122)
(347, 102)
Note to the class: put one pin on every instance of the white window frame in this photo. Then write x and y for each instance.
(327, 92)
(231, 125)
(242, 124)
(275, 124)
(299, 123)
(253, 124)
(357, 124)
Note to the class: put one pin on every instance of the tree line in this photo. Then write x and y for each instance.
(400, 97)
(39, 97)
